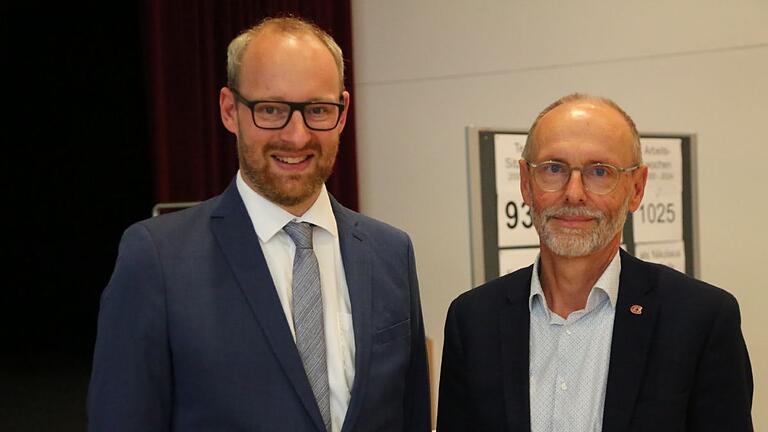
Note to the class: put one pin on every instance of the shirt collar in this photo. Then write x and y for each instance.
(269, 218)
(608, 282)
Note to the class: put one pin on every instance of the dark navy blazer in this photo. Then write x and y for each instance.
(192, 336)
(680, 365)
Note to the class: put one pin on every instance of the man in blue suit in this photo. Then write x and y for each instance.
(206, 323)
(590, 338)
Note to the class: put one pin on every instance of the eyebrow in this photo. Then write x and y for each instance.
(589, 162)
(311, 100)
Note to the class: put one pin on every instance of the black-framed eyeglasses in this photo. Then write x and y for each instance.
(318, 116)
(598, 178)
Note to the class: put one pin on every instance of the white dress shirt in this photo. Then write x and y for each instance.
(278, 248)
(569, 358)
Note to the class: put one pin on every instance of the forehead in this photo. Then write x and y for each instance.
(288, 65)
(584, 132)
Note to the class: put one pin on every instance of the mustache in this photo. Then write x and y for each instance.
(560, 211)
(287, 147)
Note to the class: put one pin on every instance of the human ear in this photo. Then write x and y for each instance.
(639, 178)
(228, 110)
(525, 182)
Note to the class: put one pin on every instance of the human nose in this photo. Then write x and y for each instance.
(296, 130)
(574, 189)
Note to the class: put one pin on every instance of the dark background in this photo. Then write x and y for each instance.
(76, 172)
(110, 107)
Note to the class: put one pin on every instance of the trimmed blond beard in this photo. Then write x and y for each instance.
(269, 185)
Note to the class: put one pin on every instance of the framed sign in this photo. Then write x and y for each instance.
(503, 239)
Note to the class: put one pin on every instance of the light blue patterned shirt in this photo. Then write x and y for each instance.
(569, 357)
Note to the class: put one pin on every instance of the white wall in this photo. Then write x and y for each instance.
(426, 69)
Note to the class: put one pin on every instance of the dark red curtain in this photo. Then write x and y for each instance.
(194, 156)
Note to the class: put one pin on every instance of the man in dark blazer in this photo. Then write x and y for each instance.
(197, 327)
(590, 338)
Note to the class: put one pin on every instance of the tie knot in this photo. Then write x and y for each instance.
(301, 234)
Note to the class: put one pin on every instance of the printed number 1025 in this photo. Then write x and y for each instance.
(657, 213)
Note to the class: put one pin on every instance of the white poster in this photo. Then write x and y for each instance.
(515, 222)
(515, 259)
(671, 254)
(508, 149)
(660, 215)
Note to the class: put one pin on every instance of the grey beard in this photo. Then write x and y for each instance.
(575, 243)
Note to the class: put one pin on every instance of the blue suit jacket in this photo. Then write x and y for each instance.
(681, 365)
(192, 336)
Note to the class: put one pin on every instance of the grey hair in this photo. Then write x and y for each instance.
(290, 25)
(576, 97)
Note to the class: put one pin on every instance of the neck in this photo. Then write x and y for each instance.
(567, 281)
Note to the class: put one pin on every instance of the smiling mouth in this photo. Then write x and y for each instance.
(292, 160)
(572, 219)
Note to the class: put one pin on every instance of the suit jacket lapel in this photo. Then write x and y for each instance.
(235, 234)
(632, 332)
(514, 326)
(357, 269)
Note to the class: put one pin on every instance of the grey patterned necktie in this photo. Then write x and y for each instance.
(308, 315)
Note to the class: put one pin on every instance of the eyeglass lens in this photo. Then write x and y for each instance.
(275, 115)
(597, 178)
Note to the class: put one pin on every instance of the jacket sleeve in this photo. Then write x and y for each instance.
(454, 405)
(131, 379)
(417, 406)
(722, 392)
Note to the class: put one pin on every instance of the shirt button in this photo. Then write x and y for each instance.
(567, 331)
(564, 386)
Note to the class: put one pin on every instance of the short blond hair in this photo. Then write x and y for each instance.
(289, 25)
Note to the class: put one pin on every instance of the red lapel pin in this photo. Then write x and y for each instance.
(636, 309)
